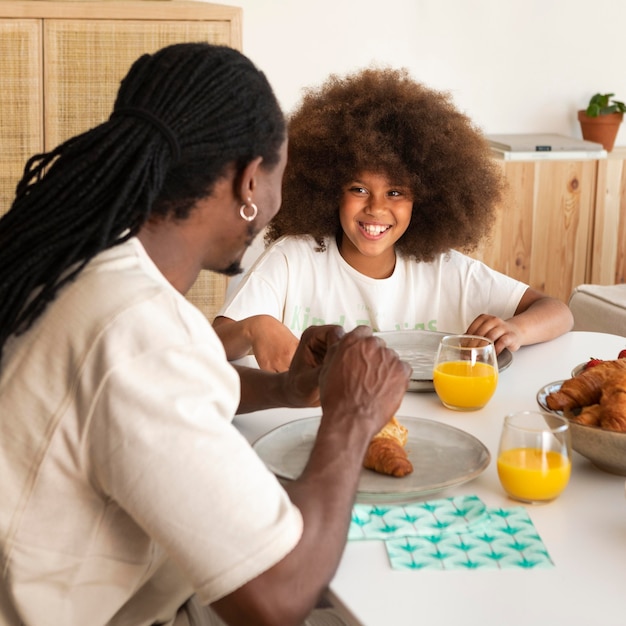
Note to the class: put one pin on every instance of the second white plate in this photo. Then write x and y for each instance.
(419, 349)
(442, 456)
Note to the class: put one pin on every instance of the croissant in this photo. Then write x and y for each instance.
(589, 416)
(586, 388)
(613, 403)
(386, 454)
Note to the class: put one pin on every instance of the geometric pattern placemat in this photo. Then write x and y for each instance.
(451, 533)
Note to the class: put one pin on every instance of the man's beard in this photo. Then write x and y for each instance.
(235, 267)
(232, 270)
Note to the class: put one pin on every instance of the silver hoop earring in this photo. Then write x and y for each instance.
(252, 216)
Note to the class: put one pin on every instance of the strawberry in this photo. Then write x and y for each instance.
(622, 354)
(593, 363)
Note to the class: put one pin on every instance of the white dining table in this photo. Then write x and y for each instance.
(584, 529)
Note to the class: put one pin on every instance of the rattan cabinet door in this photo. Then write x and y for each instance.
(86, 59)
(60, 67)
(21, 101)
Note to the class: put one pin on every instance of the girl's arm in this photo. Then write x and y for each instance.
(537, 318)
(271, 342)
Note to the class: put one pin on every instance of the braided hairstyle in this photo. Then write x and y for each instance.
(212, 107)
(380, 120)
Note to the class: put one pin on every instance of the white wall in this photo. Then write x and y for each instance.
(513, 66)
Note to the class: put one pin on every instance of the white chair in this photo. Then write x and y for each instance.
(600, 308)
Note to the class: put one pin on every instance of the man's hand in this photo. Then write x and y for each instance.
(363, 378)
(302, 380)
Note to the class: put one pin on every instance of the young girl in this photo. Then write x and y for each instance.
(387, 185)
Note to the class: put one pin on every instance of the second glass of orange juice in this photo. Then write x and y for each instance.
(534, 456)
(465, 373)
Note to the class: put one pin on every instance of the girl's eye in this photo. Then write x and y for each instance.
(357, 189)
(399, 193)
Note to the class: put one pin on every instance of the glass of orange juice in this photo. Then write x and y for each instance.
(534, 457)
(465, 373)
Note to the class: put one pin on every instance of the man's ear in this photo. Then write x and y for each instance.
(246, 182)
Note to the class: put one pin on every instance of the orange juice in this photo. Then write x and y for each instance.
(465, 385)
(533, 475)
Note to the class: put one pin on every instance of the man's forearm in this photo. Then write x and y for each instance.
(324, 493)
(260, 389)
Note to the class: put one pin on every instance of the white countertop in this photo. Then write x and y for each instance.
(584, 530)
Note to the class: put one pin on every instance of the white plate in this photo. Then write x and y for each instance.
(442, 456)
(419, 349)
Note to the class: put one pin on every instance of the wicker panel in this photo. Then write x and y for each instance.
(208, 293)
(21, 129)
(85, 61)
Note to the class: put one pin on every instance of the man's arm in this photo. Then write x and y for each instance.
(299, 385)
(361, 387)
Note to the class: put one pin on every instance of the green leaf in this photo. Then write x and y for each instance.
(593, 110)
(601, 104)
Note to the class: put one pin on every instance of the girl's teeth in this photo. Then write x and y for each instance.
(372, 229)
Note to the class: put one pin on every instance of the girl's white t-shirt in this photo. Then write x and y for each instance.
(299, 285)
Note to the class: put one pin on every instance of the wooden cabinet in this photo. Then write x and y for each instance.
(544, 229)
(608, 250)
(61, 64)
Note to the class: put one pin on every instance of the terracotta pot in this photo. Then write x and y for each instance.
(602, 129)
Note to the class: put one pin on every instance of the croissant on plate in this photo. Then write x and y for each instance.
(613, 403)
(586, 388)
(386, 454)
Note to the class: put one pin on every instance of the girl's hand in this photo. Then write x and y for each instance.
(504, 334)
(537, 318)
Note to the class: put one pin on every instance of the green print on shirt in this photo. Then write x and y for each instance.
(302, 319)
(432, 325)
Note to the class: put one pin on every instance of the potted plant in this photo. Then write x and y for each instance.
(601, 119)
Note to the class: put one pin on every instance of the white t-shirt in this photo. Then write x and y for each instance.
(300, 286)
(125, 486)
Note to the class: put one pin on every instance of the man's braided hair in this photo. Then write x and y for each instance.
(97, 189)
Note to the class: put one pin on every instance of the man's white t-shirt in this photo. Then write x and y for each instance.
(125, 486)
(299, 285)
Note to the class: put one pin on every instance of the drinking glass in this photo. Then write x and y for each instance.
(534, 457)
(465, 373)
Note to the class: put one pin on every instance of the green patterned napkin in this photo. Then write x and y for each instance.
(451, 533)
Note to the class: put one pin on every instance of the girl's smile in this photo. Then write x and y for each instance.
(374, 213)
(374, 231)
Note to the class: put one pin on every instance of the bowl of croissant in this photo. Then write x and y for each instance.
(594, 401)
